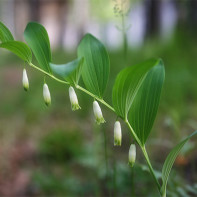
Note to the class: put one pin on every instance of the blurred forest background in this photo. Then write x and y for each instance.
(56, 152)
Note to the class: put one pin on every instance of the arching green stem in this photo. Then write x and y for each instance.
(48, 74)
(96, 97)
(151, 168)
(112, 109)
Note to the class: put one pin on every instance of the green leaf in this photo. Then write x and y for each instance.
(127, 85)
(74, 77)
(145, 105)
(69, 72)
(170, 161)
(18, 48)
(95, 71)
(5, 34)
(37, 38)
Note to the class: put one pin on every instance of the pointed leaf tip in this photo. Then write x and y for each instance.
(96, 66)
(37, 38)
(5, 34)
(144, 108)
(170, 161)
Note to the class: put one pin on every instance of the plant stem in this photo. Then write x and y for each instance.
(124, 35)
(108, 177)
(132, 183)
(77, 86)
(150, 167)
(114, 178)
(164, 193)
(145, 155)
(96, 97)
(112, 109)
(133, 133)
(105, 149)
(48, 74)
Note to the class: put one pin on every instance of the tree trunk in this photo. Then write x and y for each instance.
(152, 8)
(34, 6)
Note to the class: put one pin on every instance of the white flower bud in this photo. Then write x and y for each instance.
(98, 113)
(46, 95)
(117, 134)
(73, 99)
(132, 154)
(25, 80)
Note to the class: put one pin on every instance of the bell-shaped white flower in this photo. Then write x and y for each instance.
(73, 99)
(132, 155)
(117, 134)
(25, 80)
(98, 113)
(46, 94)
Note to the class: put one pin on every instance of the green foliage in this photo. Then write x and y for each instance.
(145, 105)
(95, 71)
(170, 160)
(37, 38)
(61, 145)
(136, 92)
(18, 48)
(48, 183)
(5, 34)
(69, 72)
(127, 85)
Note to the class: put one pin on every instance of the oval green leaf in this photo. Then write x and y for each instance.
(69, 72)
(170, 161)
(96, 67)
(5, 34)
(144, 108)
(37, 38)
(127, 85)
(18, 48)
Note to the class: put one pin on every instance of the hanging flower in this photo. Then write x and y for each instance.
(73, 99)
(25, 80)
(117, 134)
(98, 113)
(132, 155)
(46, 95)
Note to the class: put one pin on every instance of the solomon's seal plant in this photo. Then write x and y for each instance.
(135, 96)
